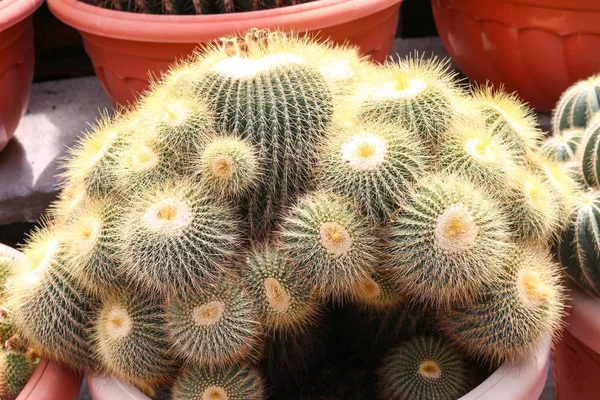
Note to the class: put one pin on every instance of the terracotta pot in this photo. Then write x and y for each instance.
(577, 355)
(16, 63)
(524, 381)
(537, 48)
(125, 47)
(50, 380)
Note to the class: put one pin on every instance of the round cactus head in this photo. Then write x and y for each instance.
(15, 370)
(562, 146)
(424, 367)
(374, 164)
(416, 93)
(234, 383)
(577, 105)
(448, 241)
(526, 305)
(332, 242)
(508, 118)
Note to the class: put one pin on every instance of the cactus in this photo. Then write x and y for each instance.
(418, 94)
(533, 207)
(89, 244)
(590, 150)
(266, 90)
(579, 251)
(228, 167)
(508, 118)
(7, 264)
(214, 327)
(284, 298)
(49, 310)
(577, 105)
(562, 147)
(448, 241)
(90, 162)
(374, 164)
(378, 292)
(332, 243)
(173, 235)
(423, 368)
(235, 383)
(514, 317)
(6, 324)
(68, 200)
(130, 338)
(186, 7)
(472, 150)
(15, 370)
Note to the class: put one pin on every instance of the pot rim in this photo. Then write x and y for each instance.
(310, 16)
(15, 11)
(530, 374)
(583, 317)
(559, 5)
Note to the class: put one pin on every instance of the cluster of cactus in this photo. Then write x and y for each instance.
(271, 178)
(192, 7)
(17, 361)
(575, 144)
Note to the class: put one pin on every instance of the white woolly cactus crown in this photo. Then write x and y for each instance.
(272, 177)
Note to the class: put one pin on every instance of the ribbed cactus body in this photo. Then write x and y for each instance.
(562, 147)
(89, 244)
(448, 241)
(332, 243)
(15, 370)
(215, 327)
(173, 236)
(590, 151)
(508, 118)
(577, 105)
(50, 311)
(374, 164)
(579, 251)
(511, 319)
(280, 103)
(234, 383)
(472, 150)
(130, 338)
(378, 292)
(424, 368)
(283, 295)
(7, 264)
(416, 94)
(227, 167)
(7, 329)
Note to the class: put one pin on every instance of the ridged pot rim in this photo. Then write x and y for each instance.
(583, 317)
(311, 16)
(15, 11)
(556, 5)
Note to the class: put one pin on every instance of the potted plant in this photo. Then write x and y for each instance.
(16, 63)
(576, 128)
(127, 48)
(529, 46)
(21, 377)
(227, 234)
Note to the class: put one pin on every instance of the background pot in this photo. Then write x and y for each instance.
(577, 355)
(125, 47)
(524, 381)
(50, 380)
(16, 63)
(535, 47)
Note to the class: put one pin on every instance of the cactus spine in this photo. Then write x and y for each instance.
(590, 151)
(422, 368)
(15, 370)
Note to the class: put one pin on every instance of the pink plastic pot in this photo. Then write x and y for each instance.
(126, 47)
(50, 380)
(537, 48)
(524, 381)
(16, 63)
(577, 355)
